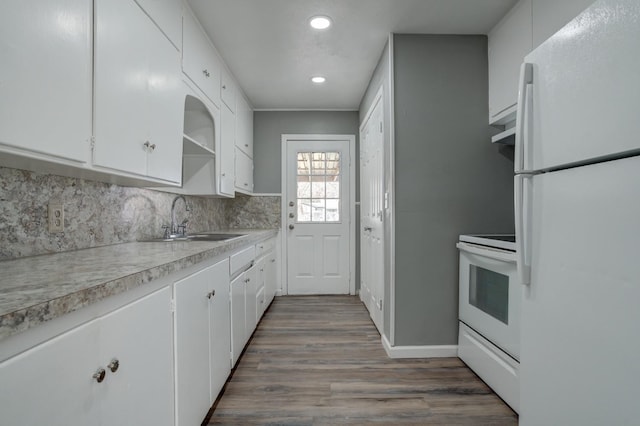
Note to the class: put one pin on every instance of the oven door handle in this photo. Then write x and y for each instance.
(487, 252)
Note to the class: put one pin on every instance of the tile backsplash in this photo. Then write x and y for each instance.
(97, 214)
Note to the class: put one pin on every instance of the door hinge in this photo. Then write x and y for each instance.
(172, 305)
(92, 142)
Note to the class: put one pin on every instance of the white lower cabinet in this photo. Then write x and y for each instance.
(135, 341)
(243, 311)
(238, 321)
(104, 372)
(202, 341)
(56, 378)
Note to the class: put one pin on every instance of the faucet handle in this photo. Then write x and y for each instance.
(182, 229)
(167, 231)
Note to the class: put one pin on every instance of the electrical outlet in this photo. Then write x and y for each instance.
(56, 217)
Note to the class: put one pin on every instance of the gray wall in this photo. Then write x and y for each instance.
(268, 128)
(449, 178)
(381, 77)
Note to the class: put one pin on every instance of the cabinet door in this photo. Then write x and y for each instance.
(199, 61)
(238, 321)
(166, 110)
(139, 337)
(509, 42)
(226, 156)
(551, 15)
(251, 291)
(228, 90)
(51, 384)
(271, 279)
(244, 126)
(193, 398)
(121, 103)
(244, 172)
(219, 328)
(45, 77)
(167, 14)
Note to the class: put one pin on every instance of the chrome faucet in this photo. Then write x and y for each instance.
(181, 229)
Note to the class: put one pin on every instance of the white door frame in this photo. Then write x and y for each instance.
(351, 139)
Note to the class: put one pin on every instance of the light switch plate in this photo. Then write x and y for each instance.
(56, 217)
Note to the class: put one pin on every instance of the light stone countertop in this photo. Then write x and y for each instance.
(37, 289)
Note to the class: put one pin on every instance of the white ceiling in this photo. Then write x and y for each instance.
(273, 52)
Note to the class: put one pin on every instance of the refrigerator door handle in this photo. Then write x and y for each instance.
(522, 121)
(522, 218)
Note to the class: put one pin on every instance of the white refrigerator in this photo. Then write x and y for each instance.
(577, 202)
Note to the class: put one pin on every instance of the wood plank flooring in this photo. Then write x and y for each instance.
(318, 360)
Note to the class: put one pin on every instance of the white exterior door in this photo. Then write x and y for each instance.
(318, 215)
(371, 213)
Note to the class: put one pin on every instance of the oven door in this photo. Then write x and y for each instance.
(490, 295)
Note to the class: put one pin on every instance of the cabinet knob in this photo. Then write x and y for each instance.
(99, 375)
(147, 144)
(247, 145)
(211, 294)
(114, 365)
(206, 73)
(291, 227)
(291, 204)
(273, 261)
(224, 86)
(152, 146)
(246, 184)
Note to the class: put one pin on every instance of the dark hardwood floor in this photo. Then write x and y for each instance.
(318, 360)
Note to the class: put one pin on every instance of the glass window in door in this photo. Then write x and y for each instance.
(318, 187)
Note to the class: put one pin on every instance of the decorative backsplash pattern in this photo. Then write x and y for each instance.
(98, 214)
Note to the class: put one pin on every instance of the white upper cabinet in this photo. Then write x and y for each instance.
(167, 14)
(200, 62)
(138, 95)
(225, 158)
(509, 43)
(228, 90)
(244, 126)
(244, 172)
(551, 15)
(45, 78)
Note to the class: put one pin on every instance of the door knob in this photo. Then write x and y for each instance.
(291, 204)
(291, 226)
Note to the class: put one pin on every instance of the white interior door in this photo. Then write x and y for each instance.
(371, 213)
(318, 215)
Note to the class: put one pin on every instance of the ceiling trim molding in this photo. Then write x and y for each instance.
(305, 109)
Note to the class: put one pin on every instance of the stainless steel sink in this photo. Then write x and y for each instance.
(214, 237)
(197, 237)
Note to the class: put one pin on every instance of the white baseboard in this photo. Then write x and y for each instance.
(442, 351)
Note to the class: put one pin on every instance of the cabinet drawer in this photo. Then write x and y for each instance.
(265, 247)
(242, 259)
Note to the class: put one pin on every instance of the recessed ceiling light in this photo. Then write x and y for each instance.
(320, 22)
(318, 79)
